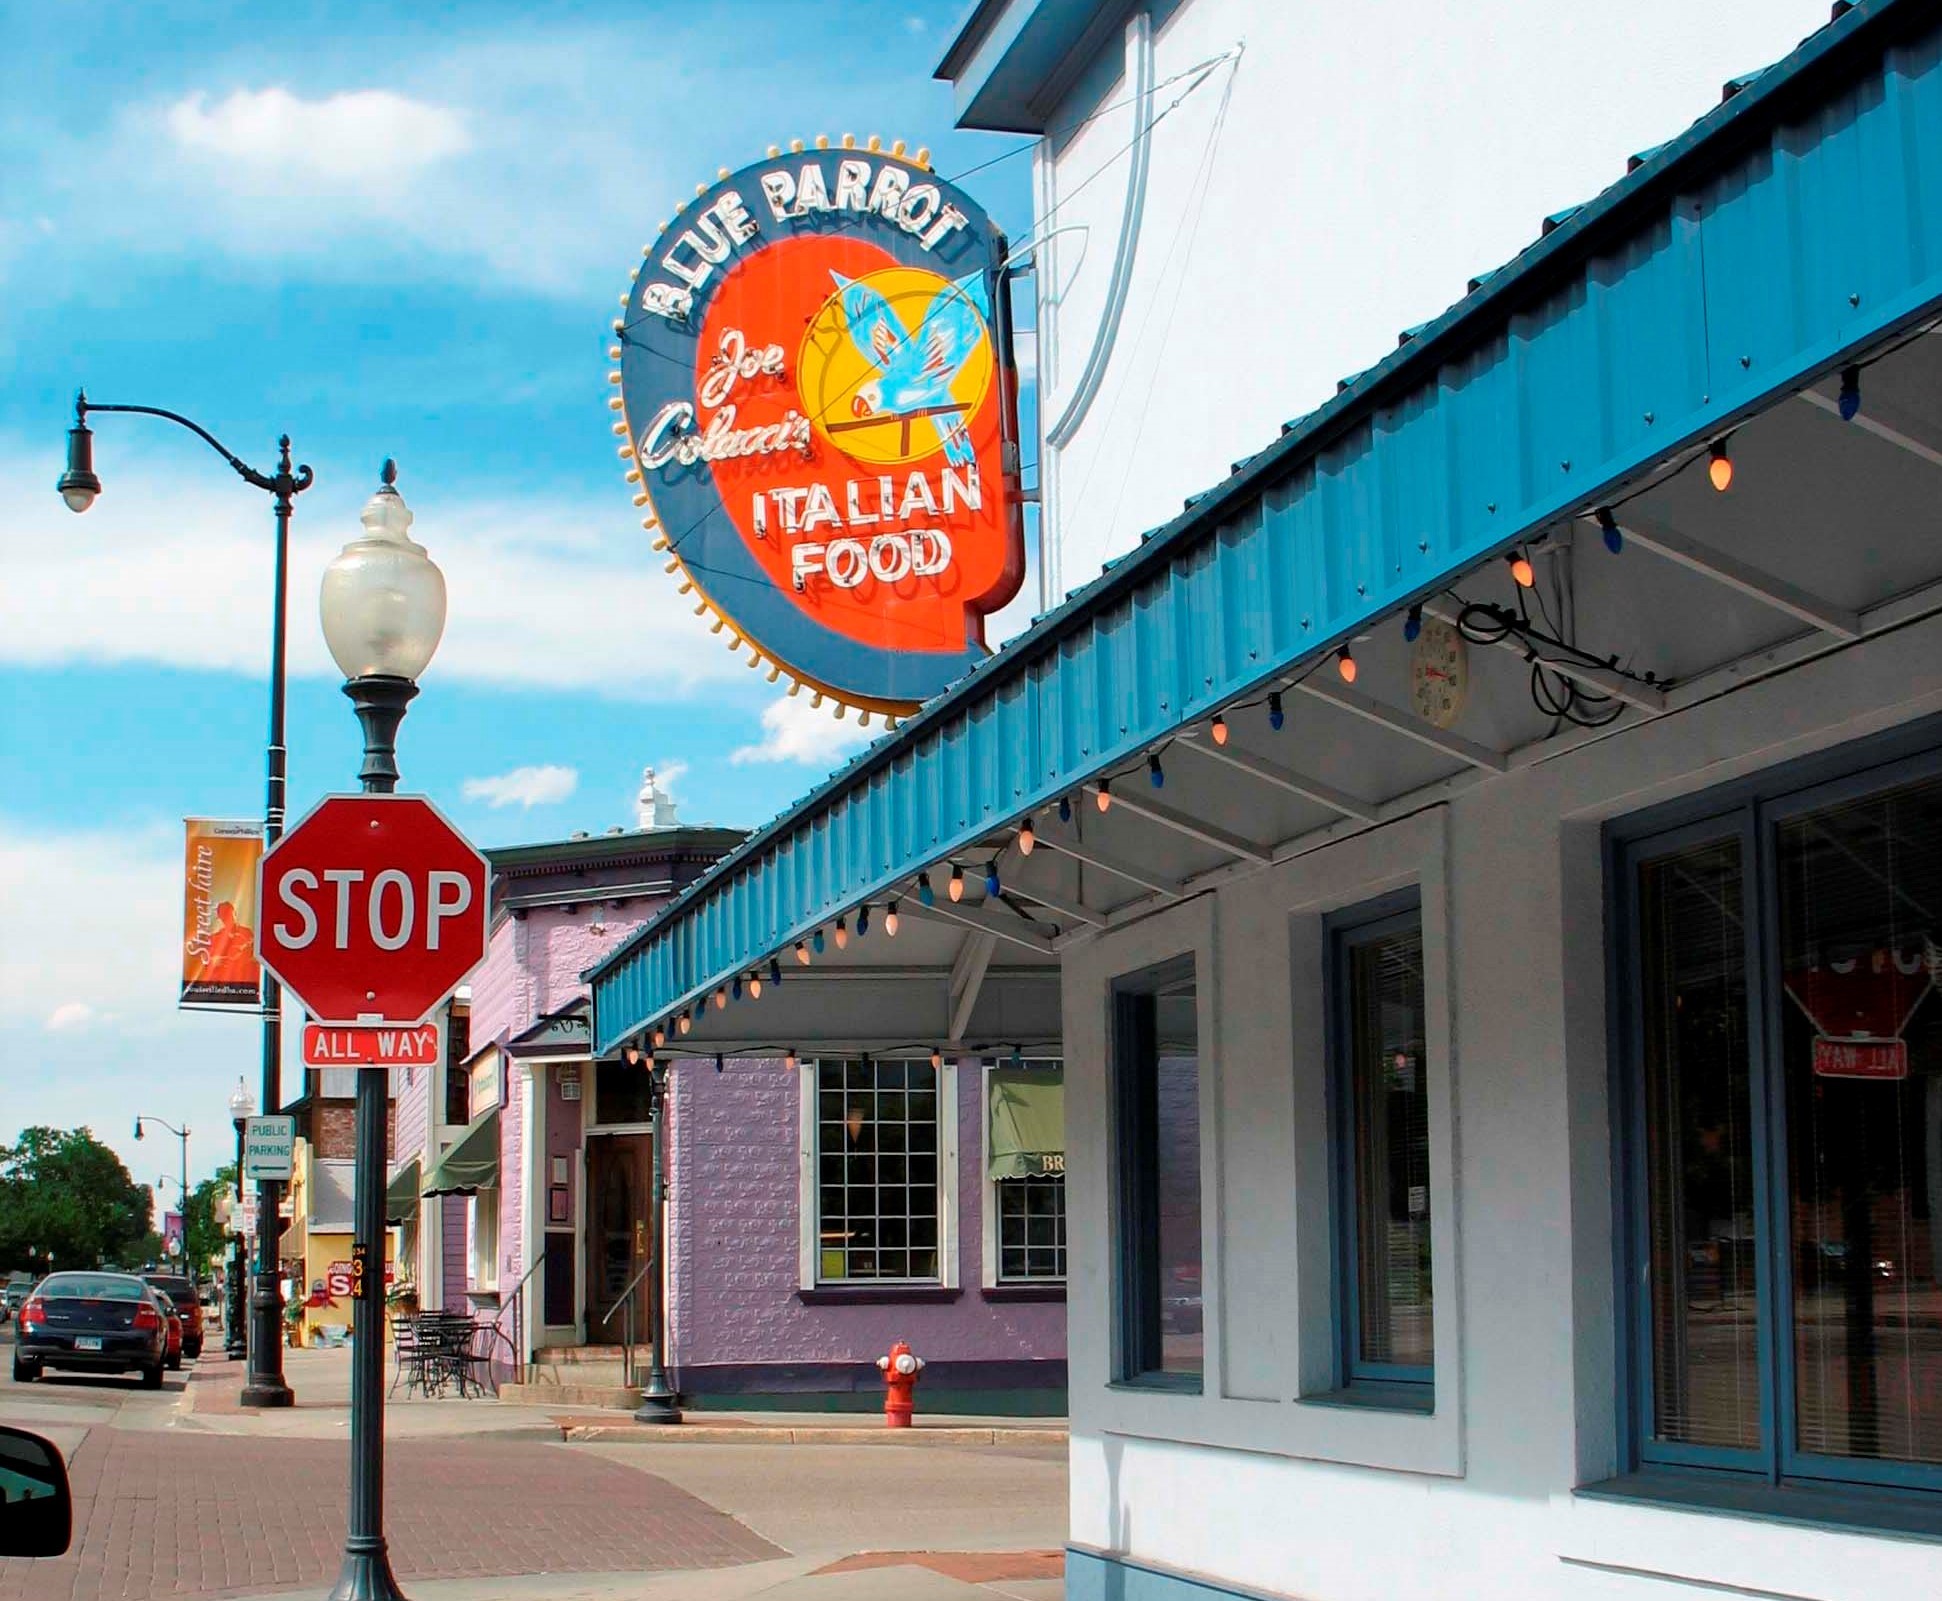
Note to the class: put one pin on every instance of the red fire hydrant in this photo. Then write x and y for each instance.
(900, 1369)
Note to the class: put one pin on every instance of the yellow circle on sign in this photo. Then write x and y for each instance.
(893, 363)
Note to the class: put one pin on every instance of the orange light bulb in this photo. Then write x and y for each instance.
(1345, 665)
(1521, 570)
(1720, 468)
(1104, 797)
(1219, 729)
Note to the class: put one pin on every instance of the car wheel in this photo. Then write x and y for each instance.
(25, 1372)
(152, 1377)
(192, 1351)
(173, 1364)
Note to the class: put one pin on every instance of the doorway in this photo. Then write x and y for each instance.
(620, 1233)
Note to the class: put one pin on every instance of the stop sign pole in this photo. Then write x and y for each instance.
(383, 609)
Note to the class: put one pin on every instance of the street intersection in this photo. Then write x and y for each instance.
(183, 1493)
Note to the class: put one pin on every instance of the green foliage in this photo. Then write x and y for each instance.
(207, 1237)
(62, 1190)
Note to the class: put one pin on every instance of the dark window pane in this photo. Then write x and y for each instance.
(1031, 1214)
(1699, 1148)
(1391, 1158)
(1860, 902)
(620, 1093)
(1157, 1127)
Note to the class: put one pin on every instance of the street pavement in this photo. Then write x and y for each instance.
(183, 1493)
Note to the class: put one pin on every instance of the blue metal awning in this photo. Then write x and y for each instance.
(1798, 221)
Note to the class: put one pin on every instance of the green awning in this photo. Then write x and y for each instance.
(1027, 1124)
(472, 1164)
(401, 1195)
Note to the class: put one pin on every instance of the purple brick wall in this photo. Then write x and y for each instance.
(733, 1228)
(452, 1226)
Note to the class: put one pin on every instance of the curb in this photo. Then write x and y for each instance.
(618, 1433)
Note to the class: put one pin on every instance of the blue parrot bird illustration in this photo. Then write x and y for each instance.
(917, 367)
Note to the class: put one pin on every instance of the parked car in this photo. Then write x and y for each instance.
(92, 1323)
(183, 1294)
(172, 1353)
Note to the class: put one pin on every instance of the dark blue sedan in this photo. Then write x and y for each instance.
(91, 1323)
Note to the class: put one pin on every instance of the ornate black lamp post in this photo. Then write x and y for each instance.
(79, 486)
(182, 1184)
(658, 1398)
(383, 610)
(242, 1106)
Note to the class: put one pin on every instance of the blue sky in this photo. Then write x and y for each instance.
(391, 235)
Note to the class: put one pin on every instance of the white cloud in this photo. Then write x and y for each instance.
(792, 732)
(365, 136)
(544, 594)
(668, 774)
(95, 918)
(523, 786)
(69, 1015)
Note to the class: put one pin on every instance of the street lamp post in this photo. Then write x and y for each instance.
(659, 1403)
(264, 1385)
(182, 1184)
(242, 1106)
(383, 610)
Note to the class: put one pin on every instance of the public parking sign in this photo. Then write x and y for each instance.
(372, 910)
(269, 1147)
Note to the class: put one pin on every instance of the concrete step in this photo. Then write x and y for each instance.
(598, 1397)
(603, 1373)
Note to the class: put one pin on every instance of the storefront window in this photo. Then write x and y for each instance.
(1382, 1098)
(458, 1082)
(1025, 1145)
(876, 1168)
(622, 1093)
(1156, 1057)
(1789, 1108)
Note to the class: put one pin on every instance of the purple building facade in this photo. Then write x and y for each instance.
(816, 1213)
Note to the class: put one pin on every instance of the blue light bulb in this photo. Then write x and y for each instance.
(1155, 772)
(1413, 624)
(817, 942)
(1276, 716)
(926, 896)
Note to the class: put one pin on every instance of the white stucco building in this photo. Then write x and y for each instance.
(1488, 844)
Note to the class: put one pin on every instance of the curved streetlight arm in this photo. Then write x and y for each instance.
(143, 1117)
(286, 482)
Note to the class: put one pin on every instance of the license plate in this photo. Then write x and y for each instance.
(87, 1342)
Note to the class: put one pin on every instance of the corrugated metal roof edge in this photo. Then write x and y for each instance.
(1762, 96)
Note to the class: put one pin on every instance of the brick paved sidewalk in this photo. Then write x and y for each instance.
(182, 1514)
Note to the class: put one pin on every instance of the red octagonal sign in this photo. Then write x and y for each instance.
(372, 909)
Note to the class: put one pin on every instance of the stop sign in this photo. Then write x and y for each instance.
(372, 909)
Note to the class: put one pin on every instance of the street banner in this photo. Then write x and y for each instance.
(172, 1232)
(219, 914)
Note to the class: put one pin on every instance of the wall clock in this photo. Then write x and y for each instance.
(1439, 673)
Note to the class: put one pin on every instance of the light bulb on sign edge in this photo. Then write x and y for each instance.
(1413, 625)
(863, 920)
(991, 884)
(775, 970)
(842, 934)
(1218, 728)
(1345, 664)
(790, 1060)
(1065, 808)
(816, 942)
(937, 1060)
(802, 953)
(1027, 838)
(755, 986)
(891, 920)
(718, 1061)
(682, 1023)
(1156, 775)
(926, 896)
(1608, 526)
(1849, 405)
(1522, 573)
(1105, 796)
(957, 884)
(1276, 716)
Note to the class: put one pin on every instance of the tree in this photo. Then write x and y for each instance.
(207, 1237)
(62, 1190)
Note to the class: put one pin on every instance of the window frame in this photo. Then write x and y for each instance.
(810, 1279)
(482, 1270)
(1749, 810)
(1138, 1327)
(993, 1254)
(1369, 920)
